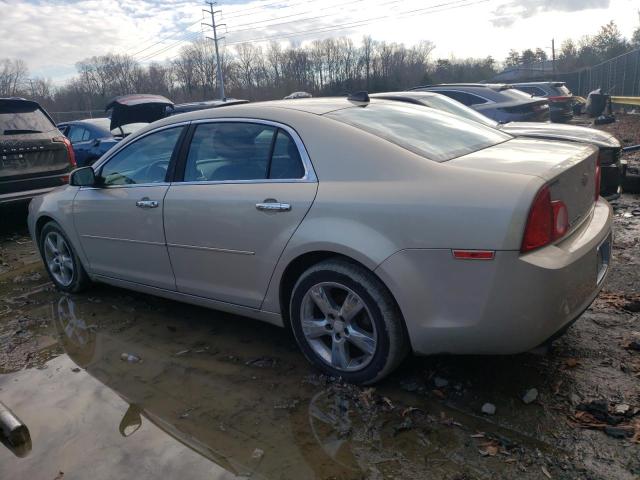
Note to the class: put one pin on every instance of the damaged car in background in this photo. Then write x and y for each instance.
(412, 230)
(612, 167)
(93, 137)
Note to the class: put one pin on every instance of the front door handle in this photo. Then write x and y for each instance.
(146, 203)
(273, 206)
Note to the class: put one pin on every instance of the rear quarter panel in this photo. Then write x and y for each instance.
(375, 198)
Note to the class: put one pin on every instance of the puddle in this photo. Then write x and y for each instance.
(137, 387)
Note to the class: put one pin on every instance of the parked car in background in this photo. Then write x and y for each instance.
(609, 148)
(194, 106)
(559, 96)
(92, 137)
(295, 95)
(34, 156)
(469, 241)
(499, 102)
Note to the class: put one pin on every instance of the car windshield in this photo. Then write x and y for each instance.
(446, 104)
(16, 119)
(436, 135)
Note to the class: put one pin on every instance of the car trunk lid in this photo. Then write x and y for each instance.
(568, 168)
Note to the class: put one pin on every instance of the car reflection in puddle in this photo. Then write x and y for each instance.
(174, 390)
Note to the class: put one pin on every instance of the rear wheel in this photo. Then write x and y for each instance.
(346, 322)
(61, 261)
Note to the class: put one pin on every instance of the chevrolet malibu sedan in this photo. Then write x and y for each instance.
(369, 228)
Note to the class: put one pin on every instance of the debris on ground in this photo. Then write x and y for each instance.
(530, 396)
(488, 409)
(130, 358)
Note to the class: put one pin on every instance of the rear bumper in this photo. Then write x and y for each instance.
(507, 305)
(25, 196)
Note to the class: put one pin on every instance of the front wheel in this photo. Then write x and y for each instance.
(61, 261)
(346, 322)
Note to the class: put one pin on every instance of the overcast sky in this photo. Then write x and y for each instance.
(52, 35)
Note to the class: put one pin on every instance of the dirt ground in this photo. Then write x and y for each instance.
(115, 384)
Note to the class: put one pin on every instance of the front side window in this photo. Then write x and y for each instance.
(432, 134)
(228, 151)
(143, 161)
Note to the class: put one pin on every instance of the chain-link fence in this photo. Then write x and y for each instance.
(618, 76)
(76, 115)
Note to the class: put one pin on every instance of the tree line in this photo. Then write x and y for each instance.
(573, 55)
(332, 66)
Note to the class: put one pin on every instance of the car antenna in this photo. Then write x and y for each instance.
(362, 96)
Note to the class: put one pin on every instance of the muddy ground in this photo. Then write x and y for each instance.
(114, 384)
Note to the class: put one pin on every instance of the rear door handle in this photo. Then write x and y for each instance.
(146, 203)
(273, 206)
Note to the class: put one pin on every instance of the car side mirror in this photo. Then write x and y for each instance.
(96, 142)
(83, 177)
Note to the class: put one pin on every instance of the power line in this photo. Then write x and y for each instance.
(451, 5)
(359, 23)
(190, 37)
(159, 41)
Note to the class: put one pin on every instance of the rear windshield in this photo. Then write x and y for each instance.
(435, 135)
(446, 104)
(16, 119)
(511, 94)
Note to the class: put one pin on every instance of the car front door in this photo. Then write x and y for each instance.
(245, 188)
(120, 221)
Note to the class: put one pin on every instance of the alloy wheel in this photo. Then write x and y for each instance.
(57, 254)
(338, 326)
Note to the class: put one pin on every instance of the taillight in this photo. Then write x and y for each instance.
(598, 178)
(548, 221)
(71, 156)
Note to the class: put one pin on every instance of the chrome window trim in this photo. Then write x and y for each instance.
(309, 172)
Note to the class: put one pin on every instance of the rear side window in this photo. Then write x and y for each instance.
(228, 151)
(16, 119)
(463, 97)
(535, 91)
(435, 135)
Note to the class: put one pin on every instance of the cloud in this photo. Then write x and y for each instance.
(507, 14)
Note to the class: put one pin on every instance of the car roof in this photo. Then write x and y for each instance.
(405, 94)
(484, 86)
(551, 84)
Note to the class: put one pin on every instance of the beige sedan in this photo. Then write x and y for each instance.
(370, 228)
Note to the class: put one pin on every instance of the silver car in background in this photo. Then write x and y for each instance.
(370, 228)
(609, 147)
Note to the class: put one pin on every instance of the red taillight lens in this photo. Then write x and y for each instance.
(70, 153)
(71, 156)
(548, 221)
(560, 219)
(598, 179)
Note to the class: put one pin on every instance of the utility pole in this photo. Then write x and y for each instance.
(215, 42)
(553, 57)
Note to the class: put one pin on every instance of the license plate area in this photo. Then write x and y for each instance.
(603, 258)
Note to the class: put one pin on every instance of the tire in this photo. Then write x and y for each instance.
(361, 348)
(61, 260)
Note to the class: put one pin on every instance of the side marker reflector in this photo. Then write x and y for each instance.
(474, 254)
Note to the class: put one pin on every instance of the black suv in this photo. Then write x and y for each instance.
(34, 156)
(559, 96)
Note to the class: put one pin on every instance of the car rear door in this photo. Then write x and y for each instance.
(120, 223)
(243, 190)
